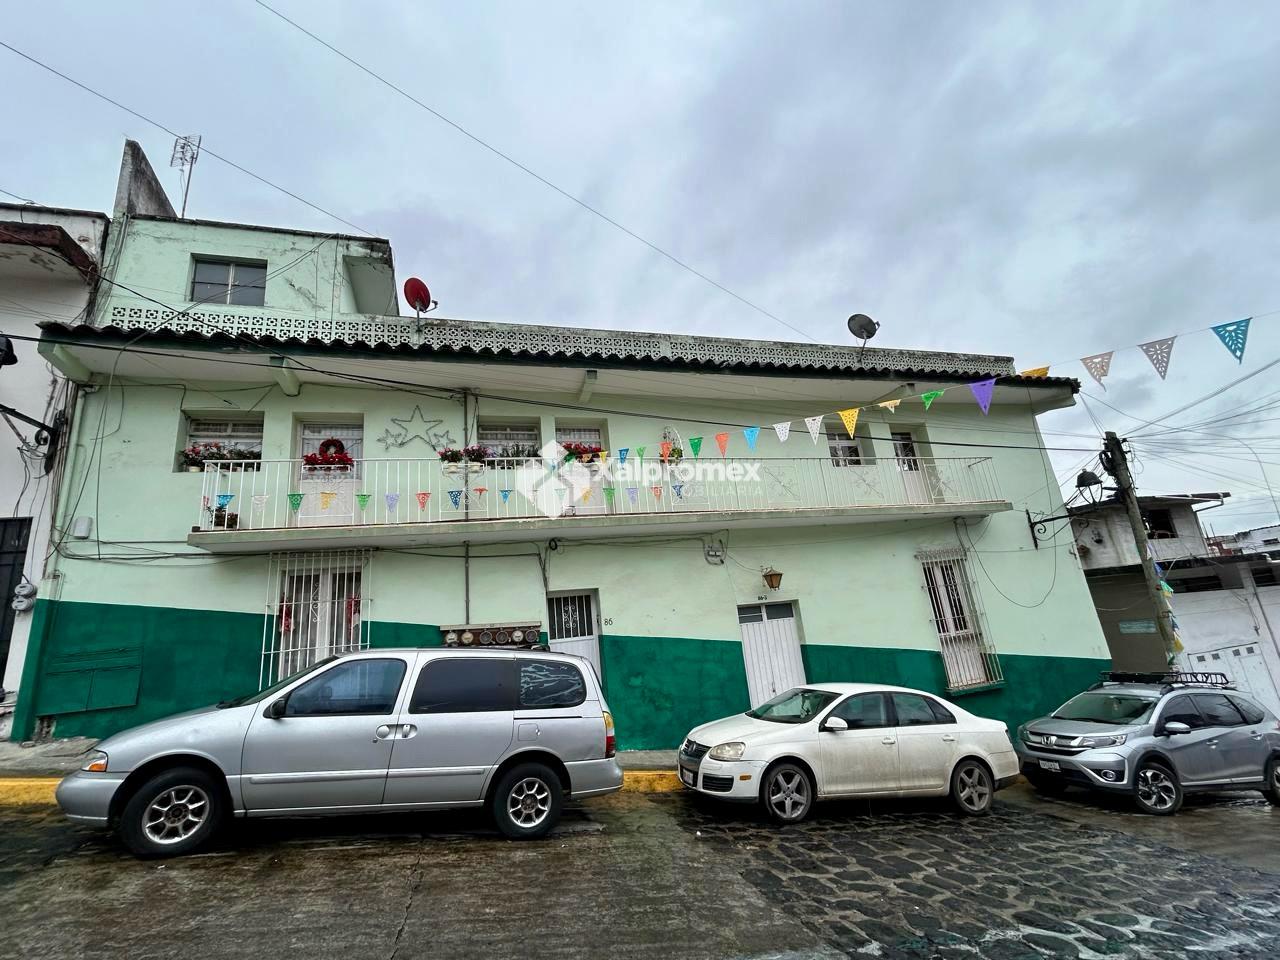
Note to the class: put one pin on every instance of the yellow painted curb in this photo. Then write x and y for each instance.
(650, 781)
(25, 791)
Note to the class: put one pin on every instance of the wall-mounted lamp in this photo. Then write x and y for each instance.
(772, 578)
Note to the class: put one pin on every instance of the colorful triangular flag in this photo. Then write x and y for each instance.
(393, 501)
(783, 430)
(586, 494)
(928, 398)
(679, 490)
(1098, 365)
(1234, 336)
(664, 450)
(1159, 352)
(1035, 372)
(363, 499)
(695, 445)
(850, 419)
(326, 499)
(608, 494)
(632, 492)
(815, 426)
(455, 497)
(722, 441)
(982, 391)
(295, 501)
(890, 405)
(479, 491)
(751, 433)
(505, 494)
(260, 500)
(657, 493)
(224, 499)
(640, 453)
(422, 497)
(622, 455)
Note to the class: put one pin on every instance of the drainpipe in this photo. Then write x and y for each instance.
(1271, 633)
(466, 582)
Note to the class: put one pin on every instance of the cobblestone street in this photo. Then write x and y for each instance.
(662, 875)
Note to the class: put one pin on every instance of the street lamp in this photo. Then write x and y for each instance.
(772, 578)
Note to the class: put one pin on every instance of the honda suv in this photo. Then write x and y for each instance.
(373, 731)
(1156, 737)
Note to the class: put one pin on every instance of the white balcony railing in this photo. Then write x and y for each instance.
(274, 494)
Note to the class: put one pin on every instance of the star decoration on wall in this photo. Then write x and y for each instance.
(389, 439)
(415, 427)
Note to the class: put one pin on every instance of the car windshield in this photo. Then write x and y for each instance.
(1101, 707)
(263, 694)
(795, 706)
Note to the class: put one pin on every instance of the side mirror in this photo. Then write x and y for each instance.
(835, 724)
(1174, 727)
(276, 710)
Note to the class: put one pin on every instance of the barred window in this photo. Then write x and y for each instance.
(969, 658)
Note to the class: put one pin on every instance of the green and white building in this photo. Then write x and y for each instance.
(697, 584)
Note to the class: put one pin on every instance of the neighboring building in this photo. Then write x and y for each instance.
(1224, 605)
(697, 586)
(1258, 540)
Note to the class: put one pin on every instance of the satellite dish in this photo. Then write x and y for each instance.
(419, 297)
(862, 326)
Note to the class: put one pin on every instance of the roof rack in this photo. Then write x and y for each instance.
(1167, 678)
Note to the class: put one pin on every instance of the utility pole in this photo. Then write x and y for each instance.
(1116, 462)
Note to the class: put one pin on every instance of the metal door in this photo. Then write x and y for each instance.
(14, 532)
(572, 626)
(324, 761)
(910, 468)
(771, 650)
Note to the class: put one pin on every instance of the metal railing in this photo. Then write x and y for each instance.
(273, 494)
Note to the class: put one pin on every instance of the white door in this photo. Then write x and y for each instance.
(572, 626)
(1242, 663)
(771, 650)
(910, 468)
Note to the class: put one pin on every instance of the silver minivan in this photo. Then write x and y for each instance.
(372, 731)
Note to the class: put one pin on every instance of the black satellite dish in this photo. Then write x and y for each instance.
(862, 326)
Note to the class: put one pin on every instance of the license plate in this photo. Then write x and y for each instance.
(687, 777)
(1050, 765)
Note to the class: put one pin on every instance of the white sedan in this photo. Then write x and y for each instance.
(849, 740)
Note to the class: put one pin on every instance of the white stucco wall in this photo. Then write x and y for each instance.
(1223, 622)
(1106, 538)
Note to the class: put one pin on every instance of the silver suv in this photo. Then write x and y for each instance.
(373, 731)
(1155, 736)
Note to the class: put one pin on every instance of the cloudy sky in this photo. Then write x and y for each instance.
(1046, 181)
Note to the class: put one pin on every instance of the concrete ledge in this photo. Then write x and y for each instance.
(650, 781)
(27, 791)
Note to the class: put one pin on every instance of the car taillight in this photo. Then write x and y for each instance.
(610, 741)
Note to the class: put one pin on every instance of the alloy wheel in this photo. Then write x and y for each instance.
(973, 788)
(529, 802)
(1156, 789)
(175, 814)
(789, 794)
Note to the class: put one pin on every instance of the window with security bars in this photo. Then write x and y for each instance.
(591, 435)
(846, 451)
(570, 617)
(509, 439)
(969, 659)
(317, 606)
(242, 432)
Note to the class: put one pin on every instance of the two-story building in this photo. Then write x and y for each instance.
(264, 472)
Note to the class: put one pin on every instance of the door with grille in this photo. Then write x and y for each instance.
(572, 626)
(14, 533)
(770, 650)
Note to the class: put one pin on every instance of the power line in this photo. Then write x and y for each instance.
(16, 197)
(534, 174)
(204, 148)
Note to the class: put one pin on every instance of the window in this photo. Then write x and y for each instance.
(1264, 576)
(570, 617)
(352, 688)
(548, 683)
(1251, 712)
(969, 660)
(1197, 584)
(317, 606)
(846, 451)
(520, 440)
(312, 435)
(940, 713)
(864, 711)
(1235, 652)
(465, 685)
(588, 435)
(1159, 524)
(915, 711)
(798, 705)
(243, 432)
(1218, 710)
(1101, 707)
(225, 281)
(1182, 710)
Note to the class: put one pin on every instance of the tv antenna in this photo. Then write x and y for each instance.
(186, 150)
(419, 297)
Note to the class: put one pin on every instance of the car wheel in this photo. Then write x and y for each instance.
(787, 793)
(1272, 790)
(173, 813)
(1156, 789)
(1048, 786)
(972, 788)
(527, 801)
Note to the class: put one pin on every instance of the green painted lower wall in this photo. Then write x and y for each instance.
(100, 668)
(659, 688)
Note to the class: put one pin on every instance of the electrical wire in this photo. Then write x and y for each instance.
(16, 197)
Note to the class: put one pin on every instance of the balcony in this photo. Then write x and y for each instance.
(284, 504)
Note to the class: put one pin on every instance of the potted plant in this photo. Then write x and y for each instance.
(222, 520)
(582, 452)
(331, 457)
(197, 455)
(470, 459)
(243, 459)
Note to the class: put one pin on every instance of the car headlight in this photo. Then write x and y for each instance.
(1111, 741)
(728, 751)
(96, 762)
